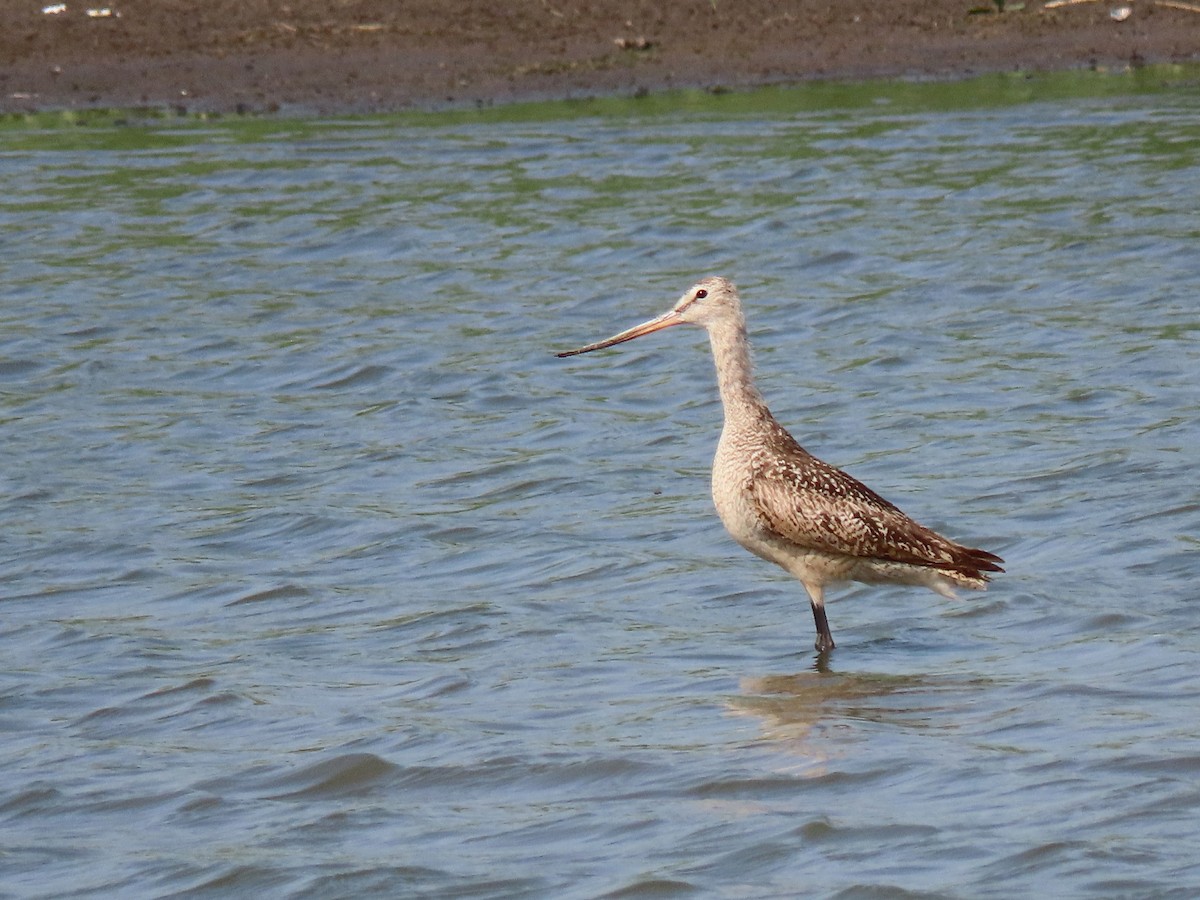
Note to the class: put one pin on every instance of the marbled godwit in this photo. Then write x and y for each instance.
(782, 503)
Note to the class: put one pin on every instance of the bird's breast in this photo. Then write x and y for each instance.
(731, 493)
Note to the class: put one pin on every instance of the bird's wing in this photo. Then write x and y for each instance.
(814, 505)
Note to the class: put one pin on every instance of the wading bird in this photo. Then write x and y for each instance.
(782, 503)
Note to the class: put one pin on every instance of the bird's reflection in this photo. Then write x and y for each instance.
(791, 707)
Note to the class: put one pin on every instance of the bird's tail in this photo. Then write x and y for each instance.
(971, 566)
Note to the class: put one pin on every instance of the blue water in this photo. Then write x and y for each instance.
(323, 577)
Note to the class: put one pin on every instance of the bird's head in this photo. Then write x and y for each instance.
(708, 302)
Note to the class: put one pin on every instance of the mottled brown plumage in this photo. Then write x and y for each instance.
(782, 503)
(820, 506)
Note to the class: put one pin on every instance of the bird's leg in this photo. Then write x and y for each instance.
(816, 598)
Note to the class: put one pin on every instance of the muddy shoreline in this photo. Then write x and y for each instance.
(305, 56)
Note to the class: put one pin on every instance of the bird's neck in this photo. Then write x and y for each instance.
(743, 403)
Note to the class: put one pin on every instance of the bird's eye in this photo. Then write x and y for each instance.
(701, 294)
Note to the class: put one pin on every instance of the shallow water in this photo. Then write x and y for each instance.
(322, 577)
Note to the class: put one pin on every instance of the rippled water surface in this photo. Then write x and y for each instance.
(323, 577)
